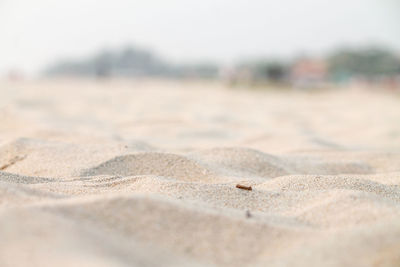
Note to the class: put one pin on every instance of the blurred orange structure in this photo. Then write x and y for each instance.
(306, 73)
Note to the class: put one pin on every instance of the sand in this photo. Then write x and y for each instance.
(144, 173)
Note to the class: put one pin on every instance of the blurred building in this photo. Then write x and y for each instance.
(262, 72)
(309, 73)
(15, 75)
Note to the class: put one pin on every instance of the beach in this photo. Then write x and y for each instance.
(145, 173)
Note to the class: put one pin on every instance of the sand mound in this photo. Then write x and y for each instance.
(334, 208)
(311, 183)
(161, 164)
(13, 195)
(244, 161)
(36, 157)
(324, 167)
(74, 242)
(250, 162)
(182, 228)
(348, 248)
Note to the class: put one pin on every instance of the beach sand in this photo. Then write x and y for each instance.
(144, 173)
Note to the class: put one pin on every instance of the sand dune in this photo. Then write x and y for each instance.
(150, 179)
(161, 164)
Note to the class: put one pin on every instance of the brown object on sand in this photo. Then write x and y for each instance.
(248, 214)
(244, 187)
(11, 162)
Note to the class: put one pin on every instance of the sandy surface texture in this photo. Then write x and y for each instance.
(144, 173)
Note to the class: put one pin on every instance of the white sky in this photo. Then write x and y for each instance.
(34, 33)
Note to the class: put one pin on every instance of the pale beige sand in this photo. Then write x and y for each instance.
(122, 173)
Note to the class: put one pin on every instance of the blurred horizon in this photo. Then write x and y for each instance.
(36, 35)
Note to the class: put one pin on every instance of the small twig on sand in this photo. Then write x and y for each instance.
(12, 162)
(244, 187)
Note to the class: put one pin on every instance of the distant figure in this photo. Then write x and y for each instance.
(15, 75)
(102, 71)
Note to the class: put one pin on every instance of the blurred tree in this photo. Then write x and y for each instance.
(130, 62)
(369, 63)
(274, 71)
(200, 71)
(103, 64)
